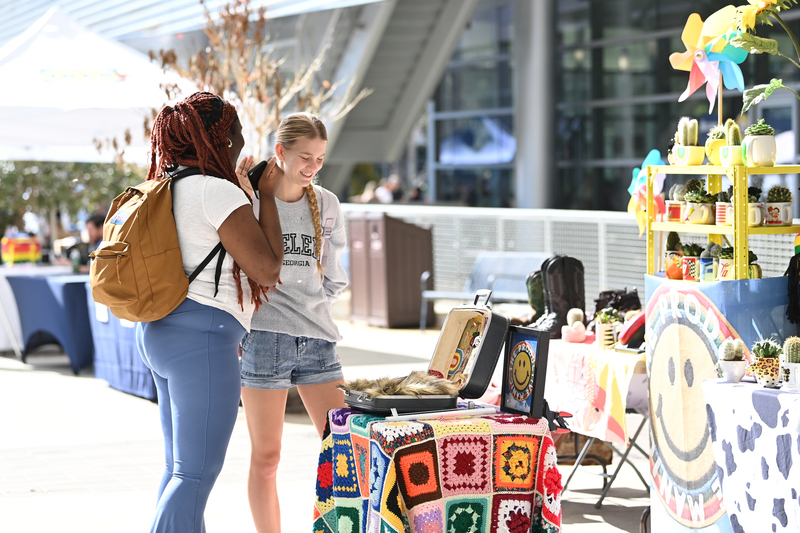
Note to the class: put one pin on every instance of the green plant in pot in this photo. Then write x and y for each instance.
(731, 364)
(709, 262)
(686, 152)
(676, 203)
(778, 210)
(731, 153)
(699, 207)
(725, 270)
(755, 209)
(716, 140)
(691, 261)
(753, 269)
(723, 209)
(766, 364)
(758, 146)
(790, 364)
(673, 257)
(607, 324)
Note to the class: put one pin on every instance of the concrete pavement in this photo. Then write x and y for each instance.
(78, 456)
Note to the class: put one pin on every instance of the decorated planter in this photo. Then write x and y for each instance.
(732, 371)
(754, 272)
(673, 257)
(726, 270)
(759, 150)
(675, 210)
(698, 213)
(688, 155)
(778, 214)
(730, 155)
(790, 372)
(765, 369)
(723, 214)
(691, 268)
(712, 150)
(708, 268)
(755, 214)
(606, 334)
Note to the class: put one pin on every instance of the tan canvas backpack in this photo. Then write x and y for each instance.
(137, 271)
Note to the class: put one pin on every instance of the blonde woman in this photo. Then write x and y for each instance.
(292, 341)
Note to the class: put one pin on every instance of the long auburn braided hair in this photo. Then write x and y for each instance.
(292, 128)
(194, 133)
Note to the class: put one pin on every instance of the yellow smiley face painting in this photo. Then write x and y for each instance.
(519, 376)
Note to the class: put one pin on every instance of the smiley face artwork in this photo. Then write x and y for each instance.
(684, 331)
(520, 374)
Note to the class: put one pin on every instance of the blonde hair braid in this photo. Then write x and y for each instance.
(312, 202)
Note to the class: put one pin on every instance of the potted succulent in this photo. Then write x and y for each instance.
(731, 365)
(691, 261)
(778, 209)
(673, 257)
(790, 364)
(725, 270)
(716, 140)
(699, 207)
(709, 261)
(676, 203)
(755, 212)
(753, 270)
(606, 324)
(686, 152)
(723, 210)
(731, 153)
(766, 364)
(758, 146)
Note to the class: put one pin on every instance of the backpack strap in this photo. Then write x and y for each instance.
(218, 249)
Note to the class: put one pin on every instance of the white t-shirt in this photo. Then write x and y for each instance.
(200, 205)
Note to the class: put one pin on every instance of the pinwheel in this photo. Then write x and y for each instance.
(637, 205)
(708, 55)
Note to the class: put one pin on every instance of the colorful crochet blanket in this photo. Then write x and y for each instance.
(494, 473)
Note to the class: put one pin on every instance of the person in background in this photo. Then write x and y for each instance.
(293, 338)
(193, 351)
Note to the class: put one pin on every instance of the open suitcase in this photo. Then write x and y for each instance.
(466, 354)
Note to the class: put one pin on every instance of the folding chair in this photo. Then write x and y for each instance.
(608, 479)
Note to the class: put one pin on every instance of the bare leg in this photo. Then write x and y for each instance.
(319, 399)
(264, 410)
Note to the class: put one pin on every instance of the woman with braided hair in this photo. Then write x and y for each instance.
(192, 352)
(293, 338)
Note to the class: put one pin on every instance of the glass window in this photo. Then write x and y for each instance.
(482, 85)
(476, 141)
(486, 187)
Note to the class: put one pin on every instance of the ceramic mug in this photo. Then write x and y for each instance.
(675, 210)
(691, 269)
(778, 214)
(723, 214)
(730, 155)
(708, 269)
(755, 214)
(759, 150)
(732, 371)
(726, 270)
(791, 376)
(698, 213)
(766, 371)
(688, 155)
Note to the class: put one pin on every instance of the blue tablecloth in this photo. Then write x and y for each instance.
(116, 357)
(53, 309)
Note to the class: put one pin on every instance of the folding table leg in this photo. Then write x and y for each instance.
(578, 461)
(623, 460)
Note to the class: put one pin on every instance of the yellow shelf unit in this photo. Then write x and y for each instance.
(740, 230)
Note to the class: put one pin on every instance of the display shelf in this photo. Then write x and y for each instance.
(740, 230)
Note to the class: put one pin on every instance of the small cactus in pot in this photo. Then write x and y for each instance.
(758, 147)
(691, 261)
(766, 365)
(716, 140)
(673, 262)
(778, 208)
(790, 366)
(731, 364)
(686, 152)
(732, 153)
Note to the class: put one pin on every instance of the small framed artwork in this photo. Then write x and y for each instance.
(524, 371)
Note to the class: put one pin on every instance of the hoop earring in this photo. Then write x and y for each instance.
(230, 143)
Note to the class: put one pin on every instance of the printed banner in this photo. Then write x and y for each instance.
(686, 322)
(591, 384)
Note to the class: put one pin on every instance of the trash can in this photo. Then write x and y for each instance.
(387, 258)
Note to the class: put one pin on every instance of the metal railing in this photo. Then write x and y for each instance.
(606, 242)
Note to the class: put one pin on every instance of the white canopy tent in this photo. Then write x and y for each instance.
(63, 87)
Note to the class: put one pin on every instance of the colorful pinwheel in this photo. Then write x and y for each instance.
(708, 55)
(638, 190)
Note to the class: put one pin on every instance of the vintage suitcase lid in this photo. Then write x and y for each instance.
(469, 346)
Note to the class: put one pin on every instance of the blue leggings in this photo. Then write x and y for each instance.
(192, 353)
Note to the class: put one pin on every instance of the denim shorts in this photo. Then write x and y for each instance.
(278, 361)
